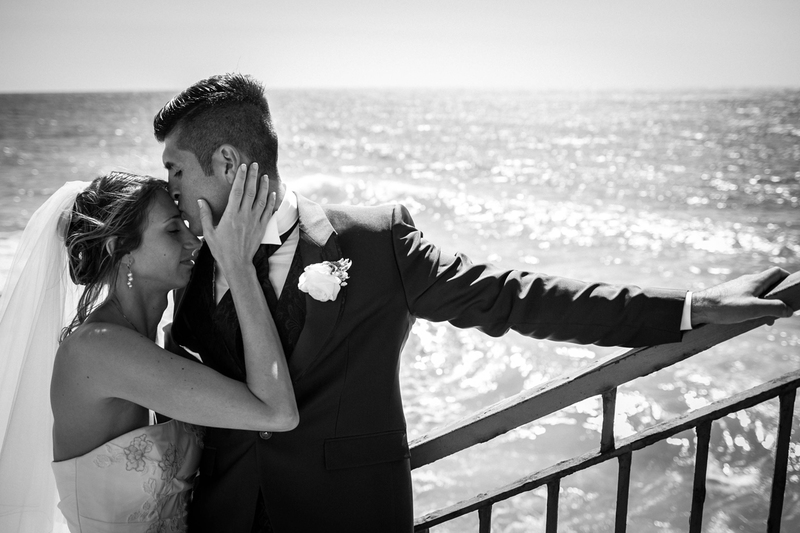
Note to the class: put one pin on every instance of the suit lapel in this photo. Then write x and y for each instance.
(318, 242)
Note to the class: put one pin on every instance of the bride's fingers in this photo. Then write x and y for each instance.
(261, 204)
(237, 188)
(205, 218)
(266, 214)
(250, 186)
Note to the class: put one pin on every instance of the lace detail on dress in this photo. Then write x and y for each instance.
(166, 469)
(168, 526)
(170, 463)
(199, 432)
(135, 453)
(143, 477)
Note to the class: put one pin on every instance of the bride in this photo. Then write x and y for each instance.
(124, 240)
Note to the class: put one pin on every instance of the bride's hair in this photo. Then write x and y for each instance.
(114, 208)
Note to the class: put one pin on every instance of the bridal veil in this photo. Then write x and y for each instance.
(38, 300)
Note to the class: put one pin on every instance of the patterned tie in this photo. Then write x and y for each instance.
(289, 311)
(261, 262)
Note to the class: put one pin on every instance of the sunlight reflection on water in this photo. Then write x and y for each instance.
(659, 189)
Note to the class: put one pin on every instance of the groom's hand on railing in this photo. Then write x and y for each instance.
(740, 299)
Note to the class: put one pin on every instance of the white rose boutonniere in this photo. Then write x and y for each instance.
(322, 281)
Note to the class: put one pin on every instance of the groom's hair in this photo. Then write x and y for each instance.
(223, 109)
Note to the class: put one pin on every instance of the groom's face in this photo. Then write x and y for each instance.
(188, 183)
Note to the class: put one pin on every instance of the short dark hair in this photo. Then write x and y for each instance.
(223, 109)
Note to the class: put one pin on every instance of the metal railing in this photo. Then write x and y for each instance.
(603, 378)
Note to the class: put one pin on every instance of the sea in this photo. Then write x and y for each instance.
(681, 189)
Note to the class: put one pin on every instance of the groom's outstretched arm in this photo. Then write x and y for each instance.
(451, 288)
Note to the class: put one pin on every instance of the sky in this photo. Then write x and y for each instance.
(99, 45)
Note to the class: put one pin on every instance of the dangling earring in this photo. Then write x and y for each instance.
(130, 274)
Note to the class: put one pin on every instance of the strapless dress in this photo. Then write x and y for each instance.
(138, 482)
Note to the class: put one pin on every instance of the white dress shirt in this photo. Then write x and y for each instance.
(279, 262)
(686, 317)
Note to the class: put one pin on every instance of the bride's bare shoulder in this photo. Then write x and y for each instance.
(97, 339)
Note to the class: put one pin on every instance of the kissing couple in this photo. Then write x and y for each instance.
(277, 388)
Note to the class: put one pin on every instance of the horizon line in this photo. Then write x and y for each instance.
(453, 88)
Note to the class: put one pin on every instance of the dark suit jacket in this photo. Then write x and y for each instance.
(346, 466)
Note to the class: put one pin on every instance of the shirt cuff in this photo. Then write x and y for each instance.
(686, 317)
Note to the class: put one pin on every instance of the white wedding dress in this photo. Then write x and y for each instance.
(138, 482)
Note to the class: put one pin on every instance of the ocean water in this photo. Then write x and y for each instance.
(671, 189)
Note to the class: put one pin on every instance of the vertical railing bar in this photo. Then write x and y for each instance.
(623, 490)
(609, 410)
(703, 432)
(553, 488)
(781, 461)
(485, 519)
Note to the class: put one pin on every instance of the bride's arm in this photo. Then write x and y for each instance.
(109, 361)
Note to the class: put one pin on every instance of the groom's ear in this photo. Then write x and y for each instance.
(225, 161)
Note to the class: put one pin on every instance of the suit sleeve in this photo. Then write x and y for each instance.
(441, 287)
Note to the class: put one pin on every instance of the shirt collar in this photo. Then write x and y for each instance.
(283, 219)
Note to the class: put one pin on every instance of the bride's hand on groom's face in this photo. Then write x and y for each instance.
(235, 240)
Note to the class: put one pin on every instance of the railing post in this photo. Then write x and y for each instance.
(700, 468)
(623, 491)
(485, 519)
(553, 488)
(609, 412)
(781, 461)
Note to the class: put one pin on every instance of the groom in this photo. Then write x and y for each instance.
(346, 466)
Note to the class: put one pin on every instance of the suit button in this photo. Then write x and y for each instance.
(264, 435)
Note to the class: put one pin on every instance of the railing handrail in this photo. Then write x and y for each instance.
(598, 378)
(653, 434)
